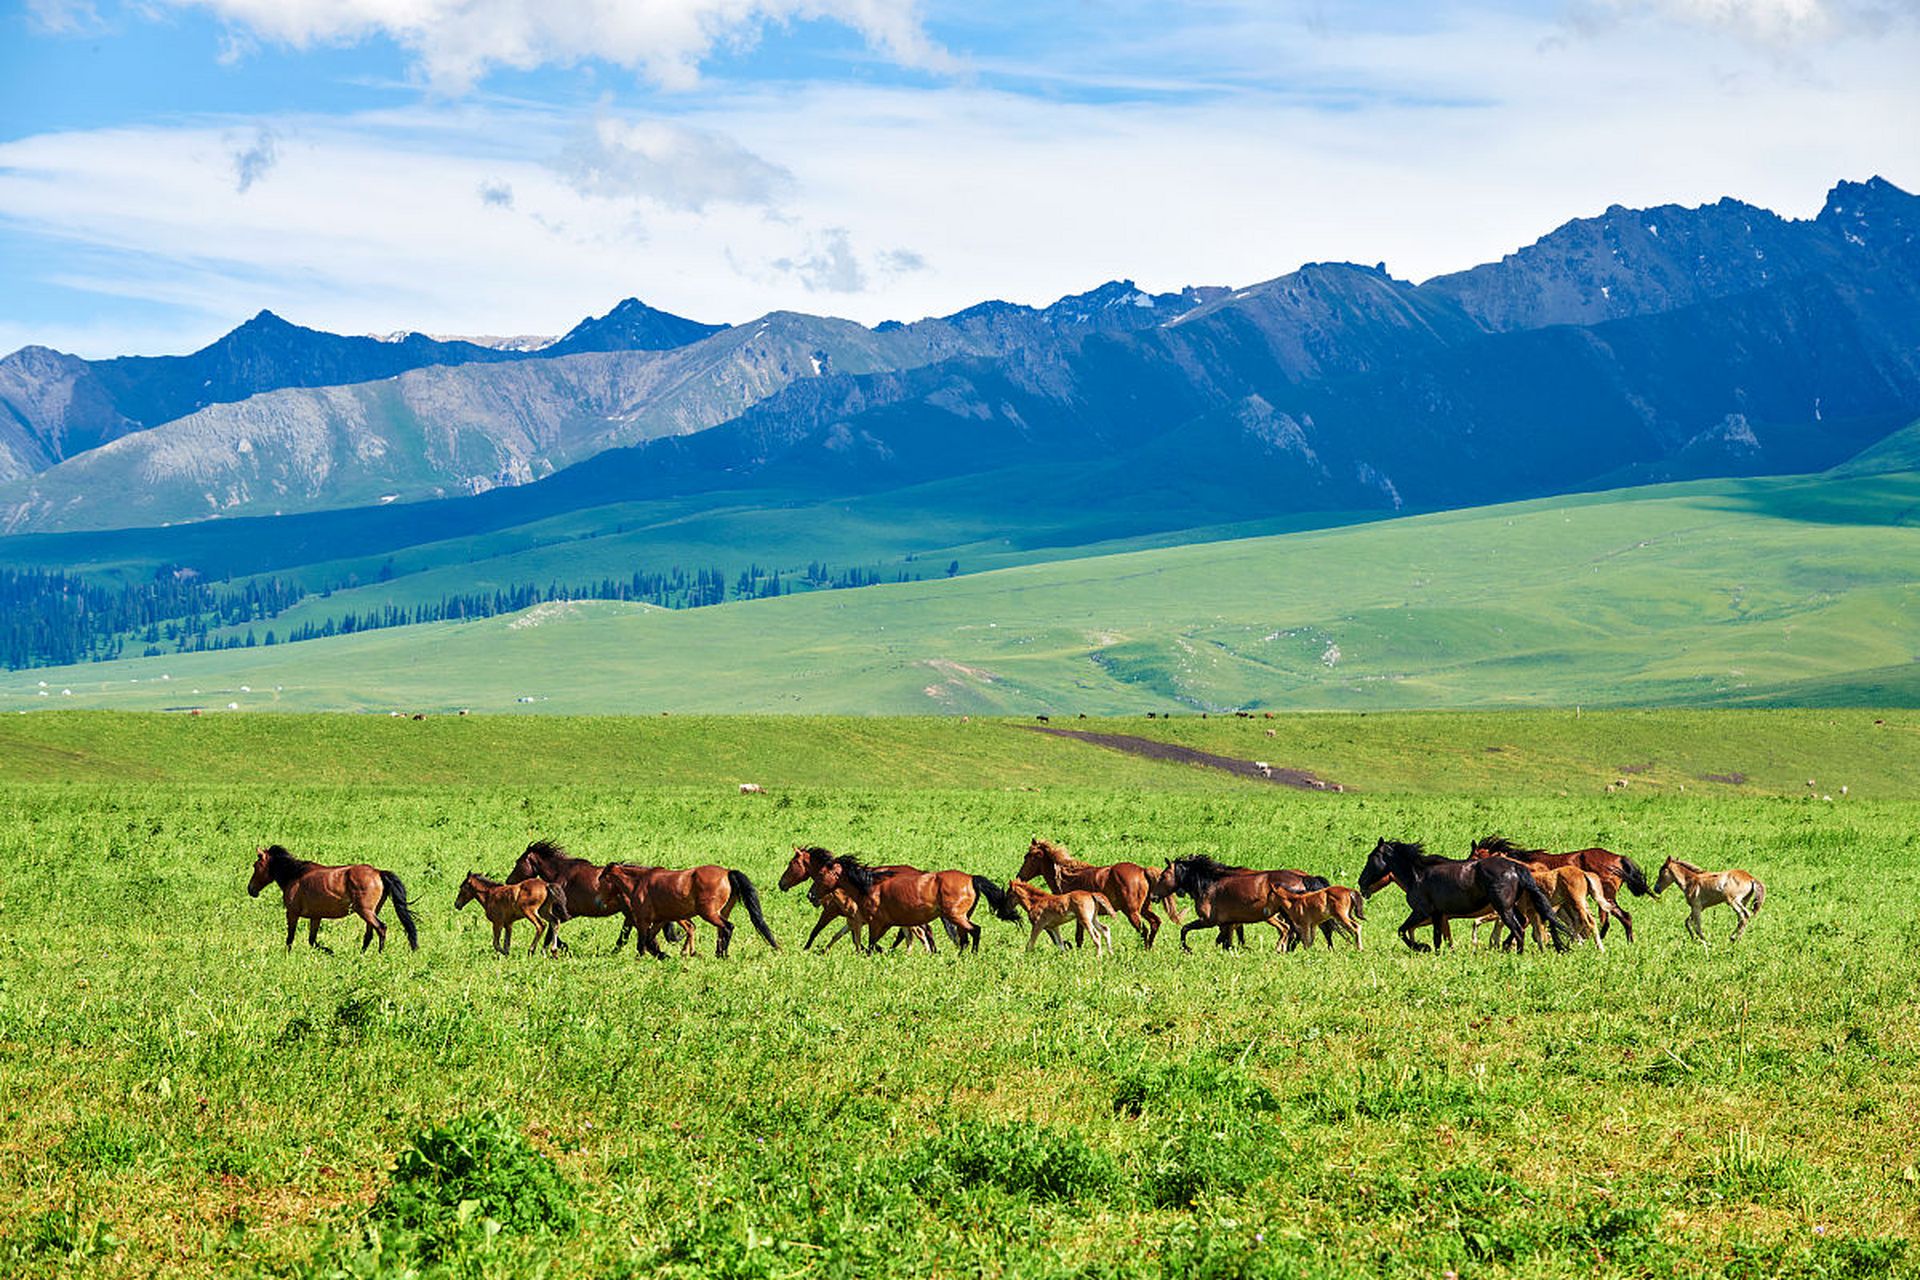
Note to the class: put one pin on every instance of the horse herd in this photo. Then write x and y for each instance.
(1556, 896)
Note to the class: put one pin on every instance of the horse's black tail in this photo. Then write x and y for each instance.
(743, 889)
(1544, 905)
(397, 894)
(1633, 877)
(998, 900)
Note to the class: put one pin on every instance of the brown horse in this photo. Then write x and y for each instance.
(1576, 894)
(654, 898)
(1334, 907)
(1614, 870)
(1046, 912)
(540, 904)
(1124, 884)
(314, 892)
(1231, 896)
(909, 898)
(1183, 875)
(838, 904)
(587, 894)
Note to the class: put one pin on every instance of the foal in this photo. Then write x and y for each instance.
(535, 901)
(1048, 911)
(1703, 889)
(1334, 907)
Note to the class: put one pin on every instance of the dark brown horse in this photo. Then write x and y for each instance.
(838, 904)
(587, 895)
(315, 892)
(1614, 870)
(1224, 897)
(1182, 875)
(909, 898)
(1124, 884)
(1440, 889)
(656, 898)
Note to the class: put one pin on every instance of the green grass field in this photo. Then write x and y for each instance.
(1795, 591)
(182, 1098)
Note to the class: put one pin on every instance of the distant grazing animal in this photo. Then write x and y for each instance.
(315, 892)
(1046, 912)
(1439, 889)
(540, 904)
(588, 894)
(1323, 910)
(1128, 886)
(1191, 874)
(1614, 870)
(839, 904)
(883, 902)
(654, 898)
(1703, 889)
(752, 789)
(1227, 896)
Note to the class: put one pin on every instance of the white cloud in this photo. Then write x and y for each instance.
(1779, 23)
(65, 17)
(456, 42)
(829, 265)
(676, 166)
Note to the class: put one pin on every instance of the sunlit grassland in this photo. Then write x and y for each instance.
(179, 1096)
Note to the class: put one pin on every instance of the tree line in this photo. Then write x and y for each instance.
(49, 617)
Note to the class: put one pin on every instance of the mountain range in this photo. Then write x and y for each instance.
(1648, 344)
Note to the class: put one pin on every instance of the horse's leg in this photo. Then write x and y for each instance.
(313, 936)
(1198, 922)
(1510, 917)
(717, 917)
(293, 927)
(827, 916)
(1741, 915)
(1414, 921)
(1060, 943)
(1143, 919)
(1693, 923)
(1079, 934)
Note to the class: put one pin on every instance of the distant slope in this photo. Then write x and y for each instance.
(1795, 590)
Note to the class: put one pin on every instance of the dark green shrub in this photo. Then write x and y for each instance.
(1021, 1159)
(474, 1169)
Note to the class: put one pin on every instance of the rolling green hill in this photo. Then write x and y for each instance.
(1798, 590)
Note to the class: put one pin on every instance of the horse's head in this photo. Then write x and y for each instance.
(805, 861)
(1665, 878)
(1039, 855)
(469, 890)
(1021, 892)
(262, 873)
(1379, 869)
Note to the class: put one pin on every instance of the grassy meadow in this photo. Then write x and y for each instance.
(182, 1098)
(1785, 591)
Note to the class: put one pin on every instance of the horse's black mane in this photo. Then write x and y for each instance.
(484, 881)
(855, 872)
(546, 849)
(283, 866)
(1500, 844)
(1193, 874)
(816, 851)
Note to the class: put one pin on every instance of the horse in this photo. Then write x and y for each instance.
(535, 901)
(907, 898)
(580, 880)
(1703, 889)
(1127, 886)
(1046, 912)
(660, 897)
(1180, 875)
(316, 892)
(838, 905)
(1334, 907)
(1439, 889)
(1614, 869)
(1570, 888)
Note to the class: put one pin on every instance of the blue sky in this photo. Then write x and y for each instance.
(169, 167)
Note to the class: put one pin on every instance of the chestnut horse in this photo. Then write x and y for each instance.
(838, 905)
(1048, 911)
(909, 898)
(657, 897)
(315, 892)
(1614, 869)
(1228, 896)
(1323, 910)
(535, 901)
(1183, 875)
(1124, 884)
(587, 895)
